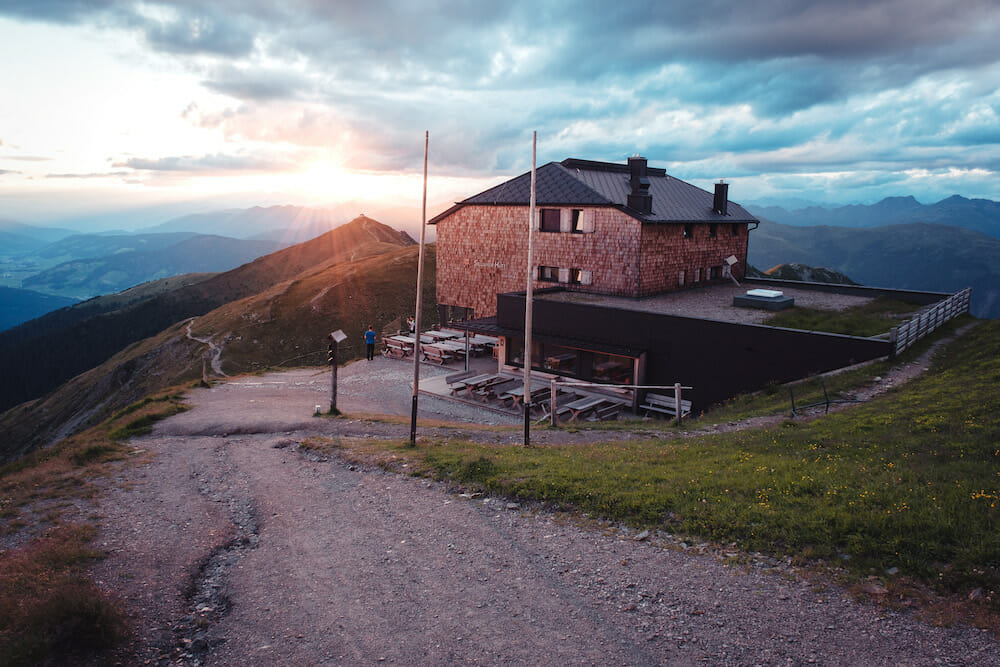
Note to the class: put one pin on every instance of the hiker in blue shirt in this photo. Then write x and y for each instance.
(370, 343)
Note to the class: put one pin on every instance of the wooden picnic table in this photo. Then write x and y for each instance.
(436, 353)
(516, 395)
(411, 340)
(397, 346)
(439, 335)
(468, 385)
(485, 340)
(583, 405)
(452, 346)
(490, 388)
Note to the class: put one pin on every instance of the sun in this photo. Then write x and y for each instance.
(327, 181)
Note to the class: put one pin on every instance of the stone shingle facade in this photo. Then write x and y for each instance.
(678, 242)
(482, 251)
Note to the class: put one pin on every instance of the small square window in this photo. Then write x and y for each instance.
(549, 220)
(549, 274)
(688, 230)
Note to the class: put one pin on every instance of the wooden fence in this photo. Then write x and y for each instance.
(929, 319)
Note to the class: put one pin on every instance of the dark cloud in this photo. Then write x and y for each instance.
(782, 86)
(257, 83)
(56, 11)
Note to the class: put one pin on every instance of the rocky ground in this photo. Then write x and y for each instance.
(233, 546)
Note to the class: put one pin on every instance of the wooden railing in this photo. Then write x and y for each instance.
(929, 319)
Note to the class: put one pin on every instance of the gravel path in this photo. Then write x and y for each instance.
(231, 546)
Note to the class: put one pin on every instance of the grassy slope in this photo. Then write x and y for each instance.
(50, 610)
(908, 481)
(286, 325)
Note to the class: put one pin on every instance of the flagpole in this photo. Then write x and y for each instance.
(416, 318)
(529, 294)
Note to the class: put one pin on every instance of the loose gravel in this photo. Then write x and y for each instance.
(233, 546)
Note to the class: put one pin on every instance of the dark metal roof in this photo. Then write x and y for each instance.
(554, 185)
(575, 182)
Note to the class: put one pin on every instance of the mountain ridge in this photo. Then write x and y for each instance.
(918, 256)
(51, 356)
(982, 215)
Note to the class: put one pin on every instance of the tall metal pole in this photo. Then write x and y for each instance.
(416, 317)
(529, 295)
(333, 380)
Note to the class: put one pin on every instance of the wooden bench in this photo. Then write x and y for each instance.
(516, 395)
(606, 413)
(666, 405)
(452, 378)
(582, 406)
(465, 383)
(397, 349)
(495, 388)
(436, 354)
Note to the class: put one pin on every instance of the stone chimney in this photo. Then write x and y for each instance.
(639, 199)
(720, 204)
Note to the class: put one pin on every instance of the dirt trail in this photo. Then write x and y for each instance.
(231, 546)
(214, 354)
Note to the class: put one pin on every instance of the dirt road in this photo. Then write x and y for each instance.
(232, 547)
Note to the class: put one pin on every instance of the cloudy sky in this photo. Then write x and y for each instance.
(170, 107)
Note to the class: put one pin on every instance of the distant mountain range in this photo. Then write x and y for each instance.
(981, 215)
(120, 262)
(938, 258)
(803, 273)
(288, 224)
(16, 237)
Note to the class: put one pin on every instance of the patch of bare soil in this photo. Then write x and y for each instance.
(233, 546)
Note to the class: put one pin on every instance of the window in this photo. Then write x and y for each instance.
(581, 221)
(572, 362)
(734, 229)
(697, 275)
(715, 272)
(688, 230)
(713, 230)
(612, 368)
(559, 358)
(574, 276)
(549, 274)
(680, 279)
(549, 220)
(454, 313)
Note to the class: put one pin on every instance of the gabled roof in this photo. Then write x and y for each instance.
(574, 182)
